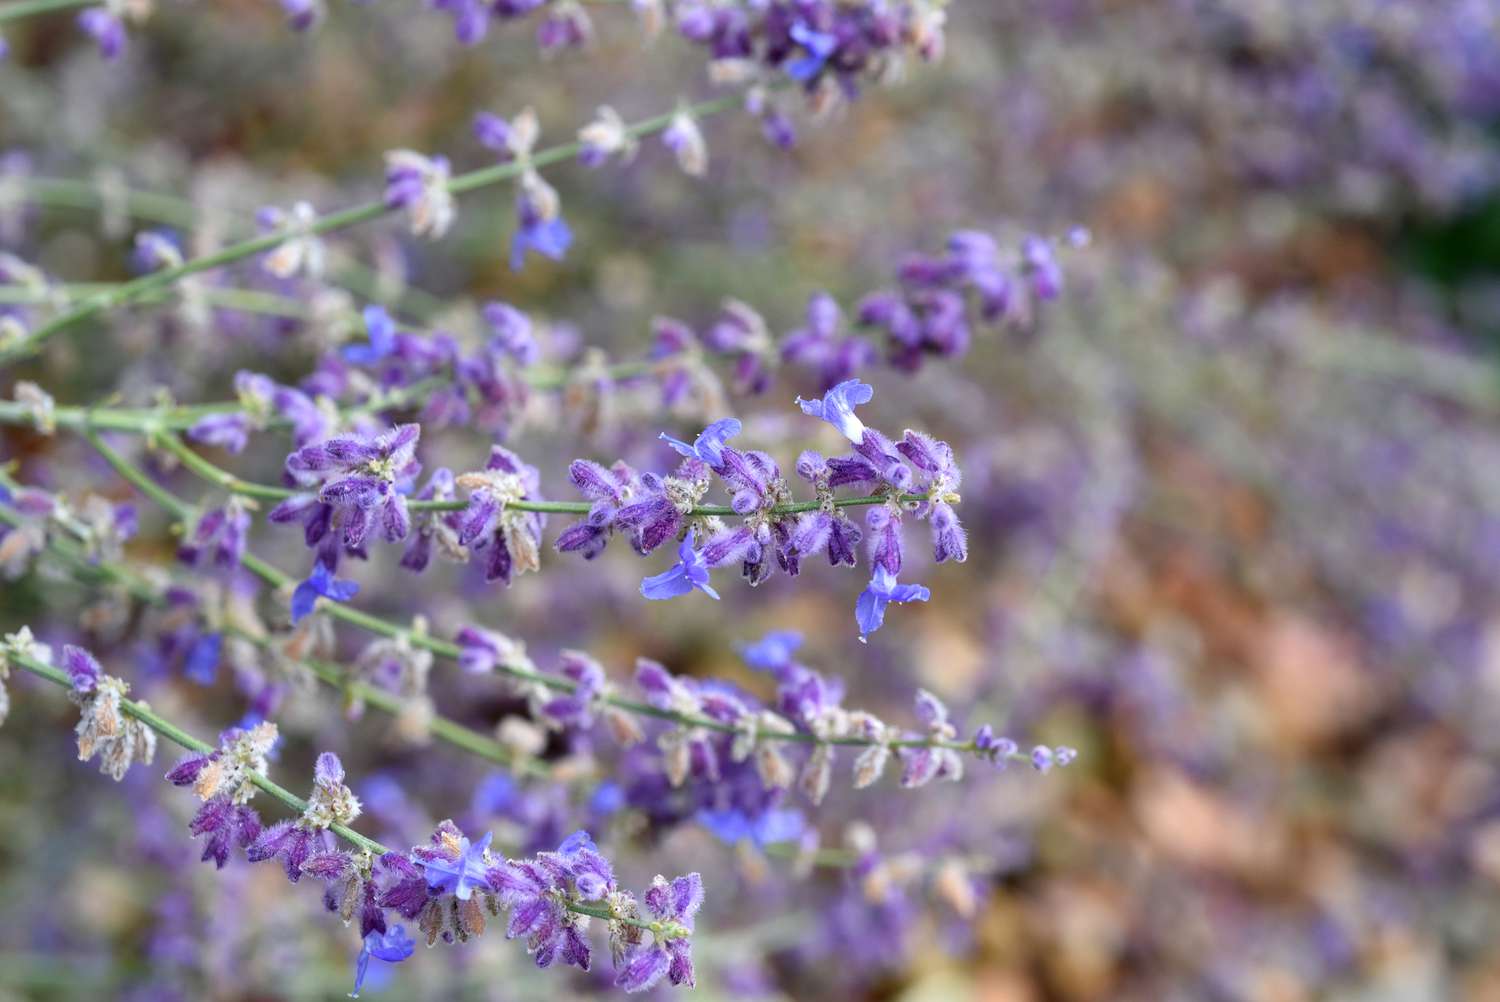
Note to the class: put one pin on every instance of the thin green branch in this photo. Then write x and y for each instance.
(27, 8)
(131, 291)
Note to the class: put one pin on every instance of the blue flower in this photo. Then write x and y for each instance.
(548, 237)
(392, 946)
(883, 589)
(202, 664)
(837, 407)
(688, 573)
(320, 582)
(819, 45)
(733, 826)
(462, 875)
(382, 331)
(709, 446)
(775, 650)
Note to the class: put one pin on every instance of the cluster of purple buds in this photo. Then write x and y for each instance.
(929, 314)
(511, 538)
(451, 887)
(295, 841)
(829, 48)
(351, 485)
(261, 399)
(224, 780)
(917, 476)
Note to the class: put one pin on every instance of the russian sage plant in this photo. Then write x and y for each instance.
(344, 516)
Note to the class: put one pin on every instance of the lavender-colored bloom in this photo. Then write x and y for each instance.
(869, 611)
(419, 184)
(359, 478)
(224, 824)
(709, 445)
(819, 46)
(302, 15)
(202, 664)
(381, 330)
(540, 226)
(676, 902)
(512, 537)
(837, 408)
(773, 651)
(575, 709)
(320, 582)
(513, 332)
(230, 432)
(460, 876)
(391, 946)
(734, 826)
(690, 572)
(107, 31)
(83, 669)
(220, 535)
(292, 843)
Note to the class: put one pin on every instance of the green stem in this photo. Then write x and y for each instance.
(131, 291)
(26, 8)
(227, 481)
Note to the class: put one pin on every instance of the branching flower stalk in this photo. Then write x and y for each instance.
(279, 579)
(290, 800)
(129, 292)
(333, 675)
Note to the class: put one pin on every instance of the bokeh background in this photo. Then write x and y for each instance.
(1233, 500)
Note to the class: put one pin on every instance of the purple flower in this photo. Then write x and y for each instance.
(819, 47)
(540, 226)
(461, 875)
(869, 611)
(547, 237)
(837, 408)
(320, 582)
(361, 479)
(690, 572)
(513, 333)
(292, 843)
(230, 432)
(225, 824)
(608, 489)
(302, 15)
(734, 826)
(107, 31)
(382, 333)
(220, 535)
(709, 445)
(419, 184)
(676, 902)
(773, 651)
(392, 946)
(513, 537)
(202, 664)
